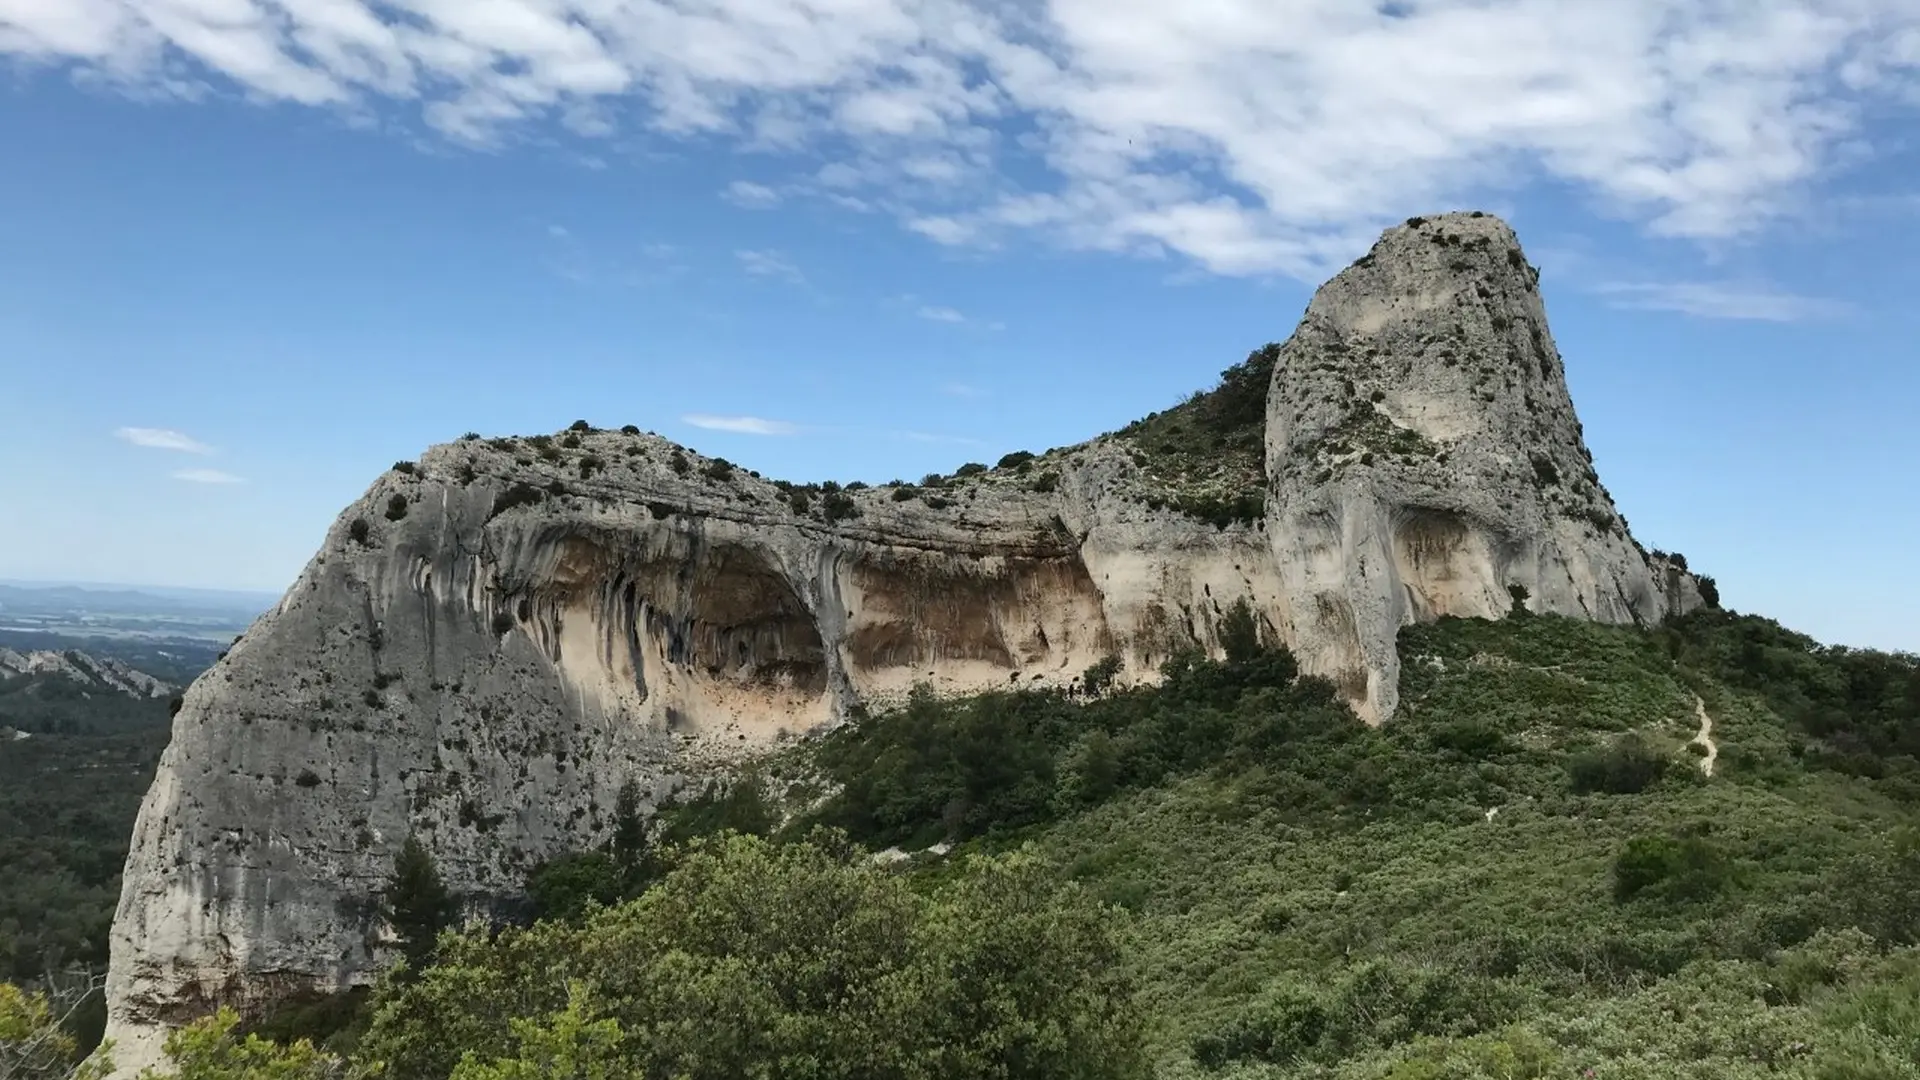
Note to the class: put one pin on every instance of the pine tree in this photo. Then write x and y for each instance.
(629, 830)
(418, 904)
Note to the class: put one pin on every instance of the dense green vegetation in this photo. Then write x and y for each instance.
(67, 804)
(1207, 455)
(1526, 874)
(68, 795)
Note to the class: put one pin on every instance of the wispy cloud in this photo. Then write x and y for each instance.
(162, 439)
(941, 314)
(1708, 300)
(206, 476)
(1245, 136)
(961, 390)
(568, 256)
(769, 264)
(751, 195)
(740, 425)
(930, 437)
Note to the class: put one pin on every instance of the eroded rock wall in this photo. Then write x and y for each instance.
(494, 639)
(1424, 460)
(488, 678)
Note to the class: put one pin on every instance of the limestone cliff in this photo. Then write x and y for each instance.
(493, 639)
(1423, 459)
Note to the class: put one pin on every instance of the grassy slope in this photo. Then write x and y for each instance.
(1314, 898)
(1242, 901)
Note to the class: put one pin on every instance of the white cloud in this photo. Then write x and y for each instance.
(206, 476)
(157, 438)
(1721, 301)
(1244, 135)
(961, 390)
(751, 195)
(941, 314)
(740, 425)
(769, 264)
(929, 437)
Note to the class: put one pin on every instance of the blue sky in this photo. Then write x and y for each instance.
(253, 252)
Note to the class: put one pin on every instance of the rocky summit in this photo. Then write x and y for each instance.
(496, 637)
(1424, 459)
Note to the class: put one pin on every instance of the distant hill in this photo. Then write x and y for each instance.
(108, 674)
(127, 612)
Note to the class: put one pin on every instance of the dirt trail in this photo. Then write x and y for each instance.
(1705, 736)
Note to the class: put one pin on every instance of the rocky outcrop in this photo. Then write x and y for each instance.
(93, 672)
(495, 638)
(1423, 459)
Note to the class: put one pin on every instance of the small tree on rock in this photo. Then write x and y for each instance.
(417, 903)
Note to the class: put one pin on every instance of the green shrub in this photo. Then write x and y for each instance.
(1046, 482)
(1627, 767)
(1684, 868)
(971, 468)
(406, 467)
(904, 493)
(1015, 459)
(1279, 1031)
(519, 493)
(580, 426)
(331, 1021)
(396, 508)
(359, 531)
(838, 506)
(751, 959)
(1098, 679)
(563, 887)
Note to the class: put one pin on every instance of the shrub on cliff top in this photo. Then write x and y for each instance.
(519, 493)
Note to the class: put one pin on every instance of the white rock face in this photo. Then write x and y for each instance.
(106, 672)
(488, 681)
(1424, 459)
(472, 661)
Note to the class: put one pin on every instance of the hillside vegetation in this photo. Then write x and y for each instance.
(1527, 873)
